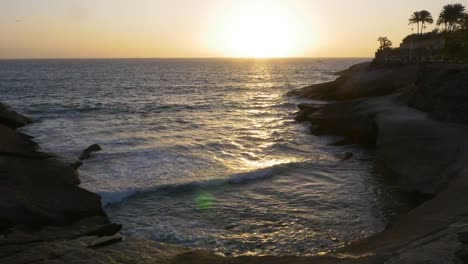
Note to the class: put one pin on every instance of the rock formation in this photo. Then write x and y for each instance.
(38, 188)
(421, 152)
(86, 154)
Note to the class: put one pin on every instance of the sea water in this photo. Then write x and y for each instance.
(204, 152)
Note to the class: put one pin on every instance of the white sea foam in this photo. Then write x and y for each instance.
(117, 196)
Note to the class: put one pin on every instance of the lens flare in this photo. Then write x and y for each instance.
(204, 201)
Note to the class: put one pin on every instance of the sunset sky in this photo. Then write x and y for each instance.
(202, 28)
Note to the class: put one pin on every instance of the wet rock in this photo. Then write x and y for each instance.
(11, 118)
(105, 241)
(17, 144)
(344, 119)
(36, 193)
(86, 154)
(463, 237)
(305, 110)
(38, 189)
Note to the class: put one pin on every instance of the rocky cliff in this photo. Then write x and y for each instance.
(38, 188)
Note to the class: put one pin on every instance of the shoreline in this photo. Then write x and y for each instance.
(372, 108)
(425, 152)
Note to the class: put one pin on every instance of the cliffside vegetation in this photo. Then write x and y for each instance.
(447, 42)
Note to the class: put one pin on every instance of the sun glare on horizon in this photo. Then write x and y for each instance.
(261, 30)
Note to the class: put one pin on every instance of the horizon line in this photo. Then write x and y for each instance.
(181, 58)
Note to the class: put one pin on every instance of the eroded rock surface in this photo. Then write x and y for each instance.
(11, 118)
(362, 81)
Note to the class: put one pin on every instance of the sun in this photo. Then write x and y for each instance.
(260, 33)
(260, 30)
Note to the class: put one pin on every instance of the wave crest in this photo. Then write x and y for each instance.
(114, 197)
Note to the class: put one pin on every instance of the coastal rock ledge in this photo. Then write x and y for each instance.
(414, 116)
(45, 217)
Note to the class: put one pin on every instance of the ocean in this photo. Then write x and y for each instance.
(205, 152)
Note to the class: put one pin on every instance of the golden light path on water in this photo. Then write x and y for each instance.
(253, 161)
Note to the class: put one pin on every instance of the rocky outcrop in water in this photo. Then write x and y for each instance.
(40, 200)
(86, 154)
(38, 188)
(11, 118)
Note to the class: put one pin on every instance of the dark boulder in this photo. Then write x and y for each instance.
(11, 118)
(86, 154)
(343, 119)
(38, 189)
(43, 192)
(17, 144)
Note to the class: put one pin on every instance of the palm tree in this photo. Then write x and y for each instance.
(425, 17)
(451, 16)
(415, 19)
(464, 22)
(385, 43)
